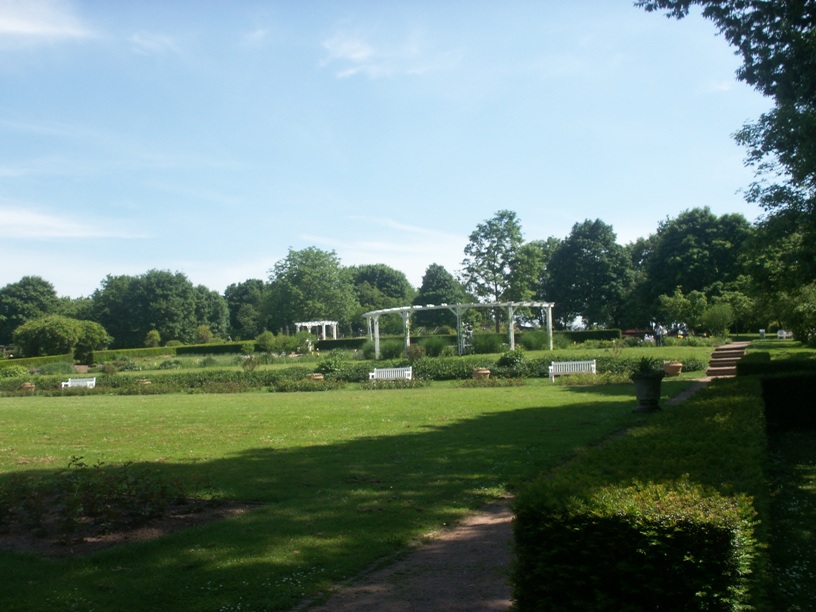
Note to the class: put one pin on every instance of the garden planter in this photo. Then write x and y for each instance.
(481, 373)
(673, 368)
(647, 391)
(315, 377)
(27, 386)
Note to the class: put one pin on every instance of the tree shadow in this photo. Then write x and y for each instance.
(326, 511)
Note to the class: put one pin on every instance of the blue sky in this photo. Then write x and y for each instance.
(210, 137)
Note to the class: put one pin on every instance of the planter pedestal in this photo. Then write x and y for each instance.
(647, 391)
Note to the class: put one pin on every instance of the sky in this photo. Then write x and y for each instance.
(210, 138)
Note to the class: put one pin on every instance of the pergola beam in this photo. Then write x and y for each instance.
(457, 309)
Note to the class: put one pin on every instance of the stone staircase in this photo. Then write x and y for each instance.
(723, 362)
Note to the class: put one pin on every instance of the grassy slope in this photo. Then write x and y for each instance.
(346, 477)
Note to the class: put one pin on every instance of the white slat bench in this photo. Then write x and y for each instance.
(390, 374)
(559, 368)
(88, 383)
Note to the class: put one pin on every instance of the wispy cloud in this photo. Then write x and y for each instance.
(153, 43)
(352, 53)
(255, 38)
(17, 223)
(40, 21)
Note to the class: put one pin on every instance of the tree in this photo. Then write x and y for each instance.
(777, 45)
(309, 285)
(778, 49)
(378, 286)
(59, 335)
(492, 251)
(589, 275)
(245, 302)
(438, 287)
(695, 251)
(212, 311)
(131, 306)
(29, 298)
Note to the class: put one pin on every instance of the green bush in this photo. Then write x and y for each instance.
(651, 520)
(13, 371)
(392, 349)
(484, 344)
(534, 341)
(435, 345)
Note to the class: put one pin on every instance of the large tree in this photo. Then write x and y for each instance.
(131, 306)
(491, 255)
(438, 287)
(777, 43)
(245, 301)
(29, 298)
(378, 286)
(696, 251)
(590, 274)
(211, 311)
(309, 285)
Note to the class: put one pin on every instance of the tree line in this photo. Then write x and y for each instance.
(706, 271)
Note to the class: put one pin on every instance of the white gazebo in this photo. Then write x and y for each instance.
(373, 320)
(310, 325)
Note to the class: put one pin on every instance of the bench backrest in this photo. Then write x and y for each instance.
(392, 373)
(82, 382)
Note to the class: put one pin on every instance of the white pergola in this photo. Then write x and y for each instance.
(309, 325)
(373, 320)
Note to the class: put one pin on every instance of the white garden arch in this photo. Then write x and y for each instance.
(373, 320)
(309, 325)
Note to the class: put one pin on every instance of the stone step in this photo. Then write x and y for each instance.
(722, 363)
(721, 372)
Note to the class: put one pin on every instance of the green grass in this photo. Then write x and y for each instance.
(344, 478)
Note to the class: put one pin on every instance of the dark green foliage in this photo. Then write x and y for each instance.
(483, 344)
(106, 497)
(789, 401)
(761, 364)
(579, 336)
(392, 349)
(345, 344)
(650, 521)
(435, 345)
(29, 298)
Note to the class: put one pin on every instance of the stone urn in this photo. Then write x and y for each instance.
(481, 373)
(316, 376)
(648, 378)
(27, 386)
(673, 368)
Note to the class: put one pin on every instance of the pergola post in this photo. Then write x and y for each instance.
(406, 327)
(511, 310)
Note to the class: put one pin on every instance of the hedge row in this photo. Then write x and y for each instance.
(662, 518)
(760, 363)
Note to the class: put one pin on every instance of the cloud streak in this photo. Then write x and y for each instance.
(40, 21)
(16, 223)
(353, 54)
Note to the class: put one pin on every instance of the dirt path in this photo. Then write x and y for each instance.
(466, 568)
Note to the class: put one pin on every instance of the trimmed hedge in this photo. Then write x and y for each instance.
(663, 518)
(789, 401)
(760, 363)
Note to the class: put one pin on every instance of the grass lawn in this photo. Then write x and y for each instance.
(344, 478)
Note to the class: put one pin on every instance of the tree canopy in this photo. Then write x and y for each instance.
(29, 298)
(308, 285)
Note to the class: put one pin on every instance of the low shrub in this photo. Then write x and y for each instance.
(483, 344)
(650, 520)
(13, 371)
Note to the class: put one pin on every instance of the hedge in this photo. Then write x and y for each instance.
(760, 363)
(788, 401)
(663, 517)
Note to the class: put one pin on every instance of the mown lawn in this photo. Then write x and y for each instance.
(343, 478)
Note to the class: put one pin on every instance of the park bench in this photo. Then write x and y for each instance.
(784, 335)
(88, 383)
(559, 368)
(390, 374)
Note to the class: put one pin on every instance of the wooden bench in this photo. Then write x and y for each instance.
(559, 368)
(88, 383)
(390, 374)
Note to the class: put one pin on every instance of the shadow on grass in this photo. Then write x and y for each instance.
(328, 511)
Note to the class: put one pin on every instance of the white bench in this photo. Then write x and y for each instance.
(88, 383)
(784, 335)
(390, 374)
(559, 368)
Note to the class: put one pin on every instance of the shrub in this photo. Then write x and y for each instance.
(13, 371)
(435, 345)
(670, 528)
(392, 349)
(483, 344)
(415, 351)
